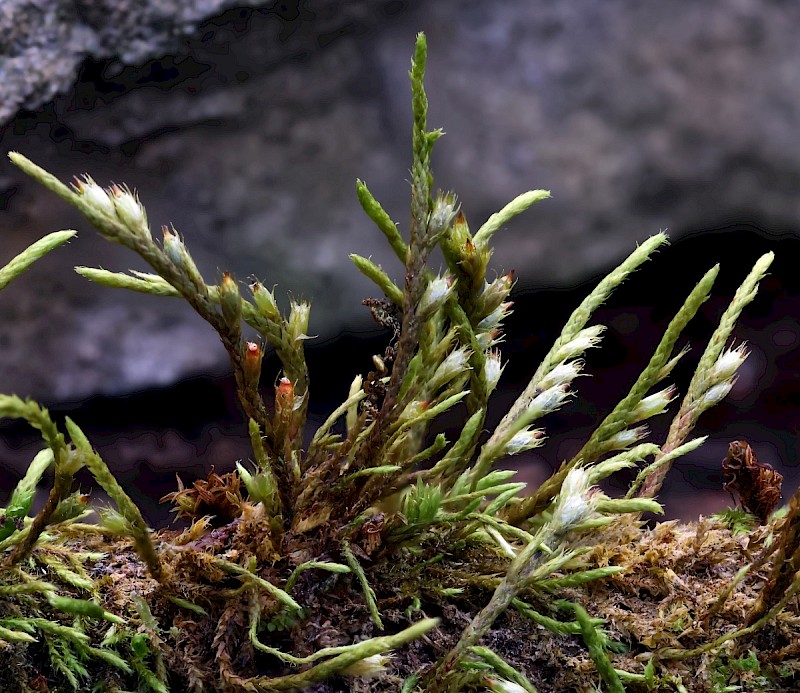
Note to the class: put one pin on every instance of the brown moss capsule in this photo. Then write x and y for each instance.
(253, 355)
(284, 401)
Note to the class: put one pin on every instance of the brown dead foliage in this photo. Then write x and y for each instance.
(666, 597)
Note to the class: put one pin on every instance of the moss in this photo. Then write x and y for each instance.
(377, 558)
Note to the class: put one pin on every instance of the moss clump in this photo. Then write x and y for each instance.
(377, 558)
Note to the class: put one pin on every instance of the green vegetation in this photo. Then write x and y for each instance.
(379, 558)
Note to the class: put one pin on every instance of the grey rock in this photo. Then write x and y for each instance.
(249, 134)
(43, 42)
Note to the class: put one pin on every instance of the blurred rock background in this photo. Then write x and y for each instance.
(246, 127)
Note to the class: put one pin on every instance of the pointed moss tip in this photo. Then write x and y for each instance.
(421, 49)
(655, 241)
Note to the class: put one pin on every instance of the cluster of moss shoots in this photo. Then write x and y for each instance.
(378, 557)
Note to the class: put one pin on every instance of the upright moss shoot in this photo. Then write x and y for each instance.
(380, 551)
